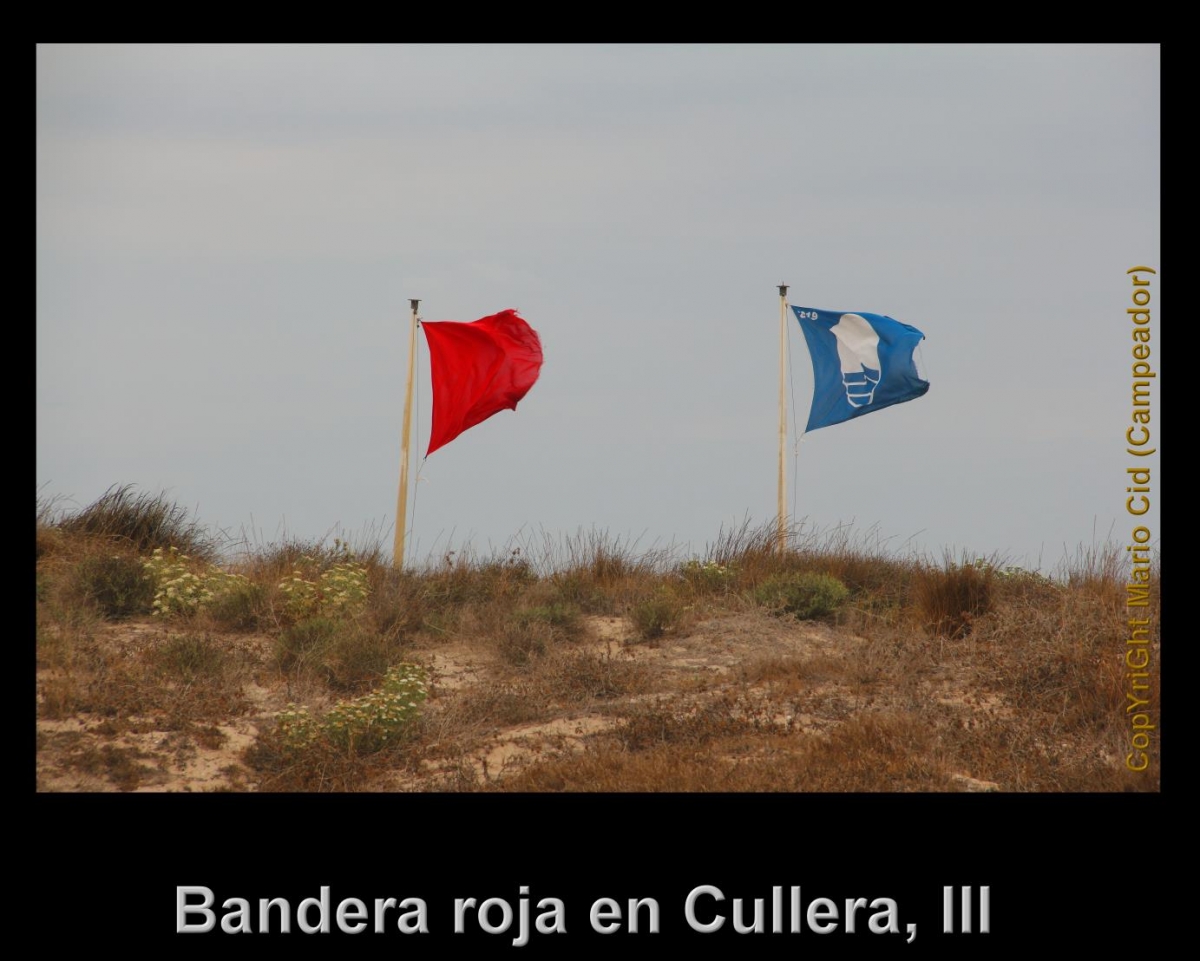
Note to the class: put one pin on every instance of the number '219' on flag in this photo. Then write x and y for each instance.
(861, 363)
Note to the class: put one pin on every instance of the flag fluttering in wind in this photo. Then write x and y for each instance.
(861, 363)
(478, 369)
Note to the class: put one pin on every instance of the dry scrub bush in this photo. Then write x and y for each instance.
(950, 598)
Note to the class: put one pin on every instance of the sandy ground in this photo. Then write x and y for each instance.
(148, 753)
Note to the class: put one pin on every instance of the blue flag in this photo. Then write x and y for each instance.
(861, 362)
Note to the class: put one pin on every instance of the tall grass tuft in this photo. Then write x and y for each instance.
(345, 655)
(142, 520)
(950, 598)
(1102, 570)
(862, 561)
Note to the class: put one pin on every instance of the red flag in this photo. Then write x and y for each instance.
(478, 369)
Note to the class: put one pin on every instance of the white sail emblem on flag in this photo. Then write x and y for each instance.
(858, 351)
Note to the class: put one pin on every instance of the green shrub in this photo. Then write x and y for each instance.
(656, 615)
(340, 589)
(239, 608)
(304, 641)
(116, 583)
(183, 586)
(804, 595)
(345, 654)
(363, 725)
(708, 577)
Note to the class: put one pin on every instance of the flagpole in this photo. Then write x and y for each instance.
(781, 533)
(405, 434)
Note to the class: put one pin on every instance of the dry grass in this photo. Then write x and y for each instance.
(592, 665)
(138, 521)
(950, 598)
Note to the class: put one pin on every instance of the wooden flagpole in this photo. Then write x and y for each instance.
(781, 532)
(405, 434)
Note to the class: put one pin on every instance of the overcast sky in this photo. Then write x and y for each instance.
(228, 238)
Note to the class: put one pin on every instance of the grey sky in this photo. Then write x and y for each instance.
(227, 238)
